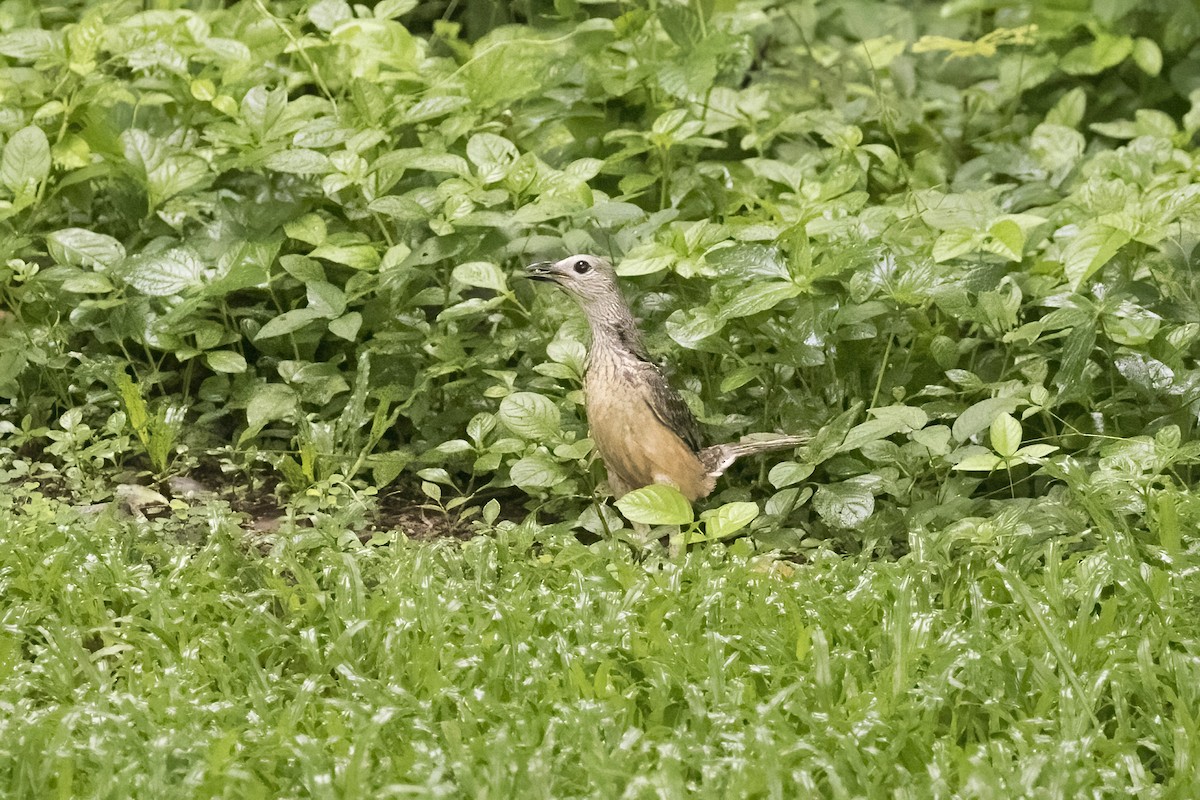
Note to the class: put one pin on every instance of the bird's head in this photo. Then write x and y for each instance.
(589, 279)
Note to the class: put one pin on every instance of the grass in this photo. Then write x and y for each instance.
(170, 658)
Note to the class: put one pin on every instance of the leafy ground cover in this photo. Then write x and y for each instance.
(263, 255)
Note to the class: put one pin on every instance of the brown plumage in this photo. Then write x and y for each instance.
(643, 430)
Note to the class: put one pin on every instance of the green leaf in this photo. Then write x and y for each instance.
(532, 416)
(346, 326)
(30, 44)
(1009, 237)
(537, 471)
(888, 420)
(981, 415)
(164, 274)
(287, 322)
(656, 504)
(758, 297)
(844, 505)
(1090, 249)
(492, 156)
(325, 299)
(83, 248)
(1105, 52)
(299, 161)
(979, 462)
(357, 256)
(225, 361)
(1005, 435)
(482, 274)
(269, 402)
(786, 473)
(1148, 56)
(690, 328)
(723, 522)
(25, 163)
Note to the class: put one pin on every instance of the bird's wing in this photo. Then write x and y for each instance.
(668, 407)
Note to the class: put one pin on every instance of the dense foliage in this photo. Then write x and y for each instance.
(287, 233)
(277, 246)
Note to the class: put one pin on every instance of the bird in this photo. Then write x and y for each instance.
(642, 429)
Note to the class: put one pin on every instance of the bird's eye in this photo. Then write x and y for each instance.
(582, 266)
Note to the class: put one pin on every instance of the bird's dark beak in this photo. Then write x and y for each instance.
(541, 271)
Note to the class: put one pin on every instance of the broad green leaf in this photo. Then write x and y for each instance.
(87, 283)
(979, 462)
(325, 299)
(30, 44)
(532, 416)
(1104, 52)
(268, 402)
(690, 328)
(786, 473)
(889, 420)
(299, 161)
(25, 163)
(537, 471)
(309, 229)
(482, 274)
(758, 297)
(1009, 237)
(225, 361)
(1005, 435)
(356, 256)
(163, 274)
(844, 505)
(287, 322)
(83, 248)
(1090, 249)
(656, 504)
(492, 156)
(376, 46)
(647, 259)
(1148, 56)
(346, 326)
(981, 415)
(721, 523)
(503, 71)
(955, 243)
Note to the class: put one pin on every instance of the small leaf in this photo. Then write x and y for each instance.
(482, 274)
(980, 416)
(299, 161)
(1090, 250)
(537, 471)
(287, 322)
(758, 297)
(530, 415)
(225, 361)
(269, 402)
(346, 326)
(83, 248)
(844, 505)
(1005, 435)
(979, 462)
(26, 161)
(785, 473)
(163, 274)
(1010, 238)
(358, 256)
(656, 504)
(1148, 56)
(727, 520)
(492, 155)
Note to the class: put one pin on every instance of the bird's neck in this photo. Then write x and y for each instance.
(614, 330)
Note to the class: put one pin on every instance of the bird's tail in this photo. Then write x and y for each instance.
(719, 457)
